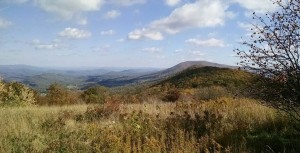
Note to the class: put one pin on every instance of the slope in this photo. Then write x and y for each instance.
(208, 76)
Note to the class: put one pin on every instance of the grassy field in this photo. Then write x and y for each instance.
(199, 110)
(222, 125)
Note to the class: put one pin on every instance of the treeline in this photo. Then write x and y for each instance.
(18, 94)
(197, 84)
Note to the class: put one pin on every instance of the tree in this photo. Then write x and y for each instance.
(16, 94)
(96, 94)
(273, 52)
(59, 95)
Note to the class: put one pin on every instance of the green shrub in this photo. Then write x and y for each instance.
(59, 95)
(96, 95)
(16, 94)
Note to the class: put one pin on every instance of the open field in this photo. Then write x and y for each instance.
(222, 125)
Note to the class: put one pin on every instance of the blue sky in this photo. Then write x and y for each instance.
(123, 33)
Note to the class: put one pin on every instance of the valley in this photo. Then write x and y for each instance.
(80, 78)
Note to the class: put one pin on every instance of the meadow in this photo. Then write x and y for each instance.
(222, 125)
(190, 113)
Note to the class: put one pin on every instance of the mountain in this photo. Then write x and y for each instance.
(208, 76)
(179, 68)
(159, 75)
(40, 78)
(81, 78)
(196, 64)
(19, 72)
(42, 81)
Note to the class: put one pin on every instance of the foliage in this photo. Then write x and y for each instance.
(97, 112)
(274, 53)
(208, 76)
(201, 84)
(16, 94)
(96, 95)
(58, 95)
(171, 96)
(42, 81)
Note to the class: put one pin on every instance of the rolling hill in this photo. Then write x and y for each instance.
(41, 78)
(161, 75)
(208, 76)
(179, 68)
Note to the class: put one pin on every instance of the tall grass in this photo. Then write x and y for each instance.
(21, 127)
(221, 125)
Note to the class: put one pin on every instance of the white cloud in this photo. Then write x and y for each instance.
(200, 14)
(127, 2)
(112, 14)
(172, 2)
(47, 46)
(259, 6)
(108, 32)
(204, 13)
(207, 43)
(68, 8)
(39, 45)
(231, 15)
(153, 50)
(246, 26)
(73, 33)
(196, 53)
(139, 34)
(4, 23)
(249, 28)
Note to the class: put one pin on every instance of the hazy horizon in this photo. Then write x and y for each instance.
(104, 67)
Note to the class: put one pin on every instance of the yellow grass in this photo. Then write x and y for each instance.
(152, 126)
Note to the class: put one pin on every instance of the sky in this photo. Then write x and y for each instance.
(124, 33)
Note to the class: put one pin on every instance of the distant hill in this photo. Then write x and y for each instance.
(41, 78)
(19, 72)
(196, 64)
(194, 77)
(43, 81)
(160, 75)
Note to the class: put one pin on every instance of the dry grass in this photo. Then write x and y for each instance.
(151, 106)
(222, 125)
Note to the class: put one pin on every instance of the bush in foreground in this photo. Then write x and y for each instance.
(16, 94)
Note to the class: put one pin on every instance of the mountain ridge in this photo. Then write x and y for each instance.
(39, 78)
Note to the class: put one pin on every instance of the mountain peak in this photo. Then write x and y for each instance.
(188, 64)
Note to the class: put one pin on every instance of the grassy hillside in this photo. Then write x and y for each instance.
(196, 84)
(208, 76)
